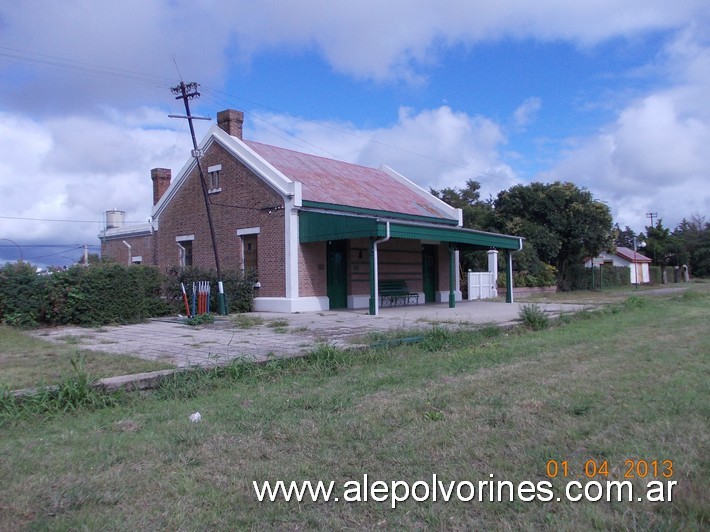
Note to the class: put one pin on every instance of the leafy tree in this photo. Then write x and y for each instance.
(623, 238)
(662, 247)
(477, 214)
(694, 236)
(561, 221)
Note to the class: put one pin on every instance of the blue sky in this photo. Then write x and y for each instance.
(609, 95)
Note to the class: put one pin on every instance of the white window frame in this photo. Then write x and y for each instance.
(247, 231)
(211, 171)
(181, 249)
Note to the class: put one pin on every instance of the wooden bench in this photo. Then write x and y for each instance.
(396, 291)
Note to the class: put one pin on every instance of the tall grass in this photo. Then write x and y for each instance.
(70, 395)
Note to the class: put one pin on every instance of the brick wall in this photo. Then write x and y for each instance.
(443, 266)
(399, 259)
(115, 249)
(244, 201)
(312, 272)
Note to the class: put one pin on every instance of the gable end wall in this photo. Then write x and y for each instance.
(243, 202)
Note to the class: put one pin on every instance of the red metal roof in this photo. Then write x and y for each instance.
(631, 255)
(330, 181)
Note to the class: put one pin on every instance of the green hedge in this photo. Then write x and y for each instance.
(19, 295)
(581, 277)
(97, 295)
(106, 293)
(656, 275)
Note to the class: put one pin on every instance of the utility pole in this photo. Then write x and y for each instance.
(186, 92)
(652, 215)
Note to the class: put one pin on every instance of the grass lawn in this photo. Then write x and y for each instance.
(628, 383)
(26, 361)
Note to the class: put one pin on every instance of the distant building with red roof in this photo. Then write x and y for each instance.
(637, 263)
(318, 231)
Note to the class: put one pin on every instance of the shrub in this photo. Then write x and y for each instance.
(534, 317)
(19, 304)
(200, 319)
(90, 296)
(635, 302)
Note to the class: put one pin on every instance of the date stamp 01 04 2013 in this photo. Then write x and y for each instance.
(632, 468)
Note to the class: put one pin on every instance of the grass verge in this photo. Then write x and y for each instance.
(629, 382)
(27, 361)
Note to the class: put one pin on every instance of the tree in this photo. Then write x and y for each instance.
(694, 236)
(477, 214)
(623, 238)
(662, 247)
(561, 221)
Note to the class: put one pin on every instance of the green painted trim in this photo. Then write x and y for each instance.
(373, 281)
(509, 278)
(378, 213)
(455, 235)
(452, 278)
(319, 226)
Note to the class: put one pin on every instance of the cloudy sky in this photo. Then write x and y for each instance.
(612, 95)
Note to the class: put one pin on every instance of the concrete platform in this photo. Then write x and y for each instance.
(279, 335)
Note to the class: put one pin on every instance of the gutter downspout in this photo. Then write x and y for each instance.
(130, 253)
(509, 273)
(374, 272)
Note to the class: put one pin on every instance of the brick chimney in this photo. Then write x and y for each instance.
(161, 181)
(231, 121)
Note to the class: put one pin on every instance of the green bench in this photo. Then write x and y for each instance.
(396, 291)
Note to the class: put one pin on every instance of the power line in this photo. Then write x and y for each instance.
(61, 220)
(82, 67)
(57, 253)
(47, 245)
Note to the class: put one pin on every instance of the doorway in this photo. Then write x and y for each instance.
(429, 272)
(337, 281)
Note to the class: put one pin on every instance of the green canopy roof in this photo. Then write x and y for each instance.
(317, 226)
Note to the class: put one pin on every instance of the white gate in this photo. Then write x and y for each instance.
(481, 285)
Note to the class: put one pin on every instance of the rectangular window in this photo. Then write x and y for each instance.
(251, 253)
(213, 184)
(186, 253)
(184, 243)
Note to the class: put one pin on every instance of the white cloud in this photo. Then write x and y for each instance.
(381, 40)
(526, 113)
(434, 148)
(78, 167)
(654, 157)
(75, 169)
(135, 40)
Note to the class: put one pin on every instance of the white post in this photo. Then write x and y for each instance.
(493, 269)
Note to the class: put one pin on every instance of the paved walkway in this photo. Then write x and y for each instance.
(279, 335)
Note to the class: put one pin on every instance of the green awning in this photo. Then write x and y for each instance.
(317, 226)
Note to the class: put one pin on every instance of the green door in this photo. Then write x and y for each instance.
(337, 274)
(429, 276)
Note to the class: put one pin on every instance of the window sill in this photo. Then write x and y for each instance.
(214, 190)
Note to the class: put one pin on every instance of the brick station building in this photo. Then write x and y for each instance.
(318, 231)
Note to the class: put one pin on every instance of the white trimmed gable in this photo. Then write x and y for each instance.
(281, 184)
